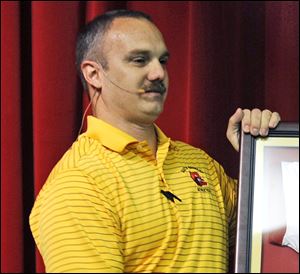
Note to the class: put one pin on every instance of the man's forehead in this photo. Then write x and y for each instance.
(131, 23)
(133, 28)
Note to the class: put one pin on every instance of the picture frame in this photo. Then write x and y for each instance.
(264, 215)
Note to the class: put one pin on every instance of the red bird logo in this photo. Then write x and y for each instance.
(197, 179)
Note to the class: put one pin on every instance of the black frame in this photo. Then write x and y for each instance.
(246, 191)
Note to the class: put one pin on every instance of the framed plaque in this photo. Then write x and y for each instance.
(268, 202)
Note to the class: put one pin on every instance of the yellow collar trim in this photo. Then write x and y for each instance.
(114, 138)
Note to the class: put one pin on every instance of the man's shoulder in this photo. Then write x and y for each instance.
(184, 147)
(72, 168)
(82, 153)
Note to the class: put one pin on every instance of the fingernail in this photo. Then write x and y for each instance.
(246, 128)
(254, 131)
(264, 132)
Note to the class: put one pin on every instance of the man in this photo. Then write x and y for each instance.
(124, 197)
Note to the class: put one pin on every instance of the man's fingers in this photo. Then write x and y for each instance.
(265, 119)
(255, 121)
(268, 120)
(233, 128)
(275, 119)
(234, 121)
(246, 122)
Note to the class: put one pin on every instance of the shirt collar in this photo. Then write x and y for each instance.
(114, 138)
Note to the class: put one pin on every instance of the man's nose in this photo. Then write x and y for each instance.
(157, 71)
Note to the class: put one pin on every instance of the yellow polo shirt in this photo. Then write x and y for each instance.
(102, 209)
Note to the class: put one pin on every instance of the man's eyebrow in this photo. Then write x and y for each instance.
(145, 52)
(166, 54)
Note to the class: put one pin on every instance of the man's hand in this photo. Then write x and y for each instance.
(254, 121)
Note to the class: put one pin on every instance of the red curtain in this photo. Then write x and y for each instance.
(223, 55)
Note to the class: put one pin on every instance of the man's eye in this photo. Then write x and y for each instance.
(139, 60)
(163, 61)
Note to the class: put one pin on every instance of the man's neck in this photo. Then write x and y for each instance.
(140, 131)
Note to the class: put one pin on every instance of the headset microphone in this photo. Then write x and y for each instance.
(141, 90)
(138, 91)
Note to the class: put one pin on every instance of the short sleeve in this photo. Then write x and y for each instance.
(75, 226)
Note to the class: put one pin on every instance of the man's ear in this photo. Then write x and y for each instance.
(91, 73)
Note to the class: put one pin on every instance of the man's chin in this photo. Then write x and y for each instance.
(152, 114)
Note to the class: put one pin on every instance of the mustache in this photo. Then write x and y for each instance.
(156, 87)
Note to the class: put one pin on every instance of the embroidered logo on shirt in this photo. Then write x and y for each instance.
(198, 177)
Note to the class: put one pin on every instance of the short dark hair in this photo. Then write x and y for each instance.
(92, 34)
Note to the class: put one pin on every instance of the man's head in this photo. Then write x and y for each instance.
(124, 51)
(90, 39)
